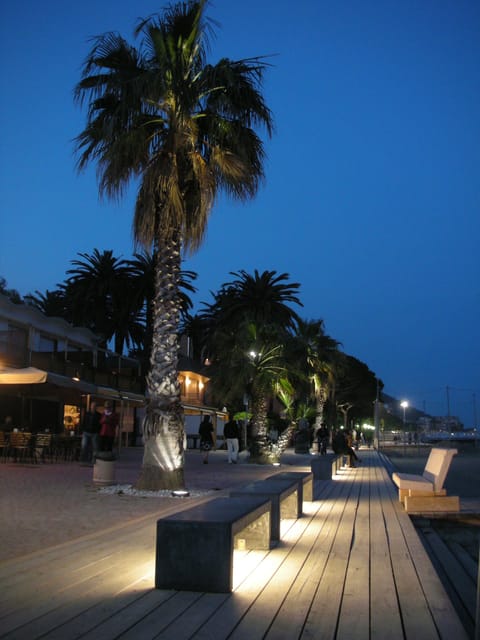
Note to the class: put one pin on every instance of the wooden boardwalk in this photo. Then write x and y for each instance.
(352, 567)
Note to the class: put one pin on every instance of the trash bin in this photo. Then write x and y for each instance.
(104, 468)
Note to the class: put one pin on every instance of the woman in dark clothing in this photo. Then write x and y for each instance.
(206, 437)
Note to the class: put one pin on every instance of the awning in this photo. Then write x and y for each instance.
(31, 375)
(115, 394)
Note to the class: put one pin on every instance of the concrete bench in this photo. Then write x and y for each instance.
(426, 493)
(327, 466)
(305, 484)
(283, 495)
(195, 547)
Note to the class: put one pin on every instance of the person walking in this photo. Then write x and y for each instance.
(231, 434)
(108, 427)
(90, 434)
(205, 431)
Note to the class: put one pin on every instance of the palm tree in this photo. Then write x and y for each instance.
(98, 293)
(249, 360)
(50, 303)
(185, 129)
(11, 294)
(315, 357)
(247, 325)
(262, 298)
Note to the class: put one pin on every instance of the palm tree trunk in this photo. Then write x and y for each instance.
(163, 426)
(320, 400)
(259, 453)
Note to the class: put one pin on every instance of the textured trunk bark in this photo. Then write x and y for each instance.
(260, 453)
(320, 400)
(163, 426)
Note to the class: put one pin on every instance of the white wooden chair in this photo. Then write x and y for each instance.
(426, 493)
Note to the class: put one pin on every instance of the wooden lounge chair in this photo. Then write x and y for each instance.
(425, 493)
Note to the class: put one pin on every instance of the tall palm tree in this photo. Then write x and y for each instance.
(185, 129)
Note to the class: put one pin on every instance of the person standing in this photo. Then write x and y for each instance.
(109, 427)
(205, 431)
(322, 439)
(90, 433)
(231, 434)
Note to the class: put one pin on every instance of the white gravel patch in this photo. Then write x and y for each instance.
(129, 490)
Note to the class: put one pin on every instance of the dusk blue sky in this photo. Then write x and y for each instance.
(372, 192)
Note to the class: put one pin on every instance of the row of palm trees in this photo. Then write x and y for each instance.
(257, 346)
(113, 297)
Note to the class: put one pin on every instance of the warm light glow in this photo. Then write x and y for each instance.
(187, 381)
(200, 385)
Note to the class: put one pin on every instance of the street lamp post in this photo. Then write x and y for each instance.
(404, 405)
(375, 417)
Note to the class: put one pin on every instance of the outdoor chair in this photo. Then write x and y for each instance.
(43, 446)
(20, 446)
(425, 493)
(3, 445)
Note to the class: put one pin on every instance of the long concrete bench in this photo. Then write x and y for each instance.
(194, 548)
(421, 493)
(284, 498)
(305, 484)
(326, 467)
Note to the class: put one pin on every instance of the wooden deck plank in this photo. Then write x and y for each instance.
(443, 615)
(99, 566)
(385, 618)
(167, 614)
(291, 615)
(272, 598)
(46, 587)
(322, 618)
(126, 617)
(354, 619)
(463, 582)
(63, 607)
(414, 608)
(198, 614)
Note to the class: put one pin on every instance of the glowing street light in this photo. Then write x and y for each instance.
(404, 405)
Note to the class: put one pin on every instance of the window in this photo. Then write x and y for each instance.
(14, 345)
